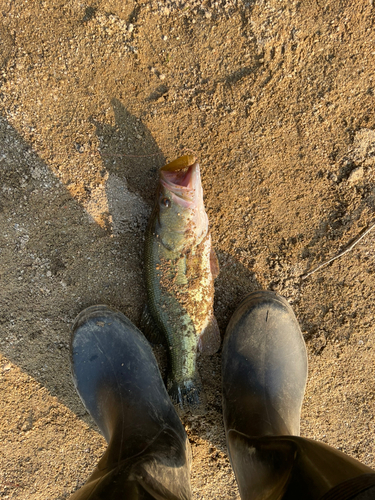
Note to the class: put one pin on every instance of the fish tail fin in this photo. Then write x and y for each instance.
(188, 395)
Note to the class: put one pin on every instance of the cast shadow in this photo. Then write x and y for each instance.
(129, 151)
(56, 261)
(234, 282)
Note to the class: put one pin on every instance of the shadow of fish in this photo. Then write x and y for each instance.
(180, 267)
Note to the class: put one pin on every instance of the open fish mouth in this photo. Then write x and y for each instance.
(180, 180)
(184, 185)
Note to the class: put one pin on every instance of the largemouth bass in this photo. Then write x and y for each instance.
(180, 267)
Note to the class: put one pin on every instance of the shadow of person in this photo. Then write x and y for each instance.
(56, 261)
(129, 151)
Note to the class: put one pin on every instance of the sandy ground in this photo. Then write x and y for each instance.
(277, 99)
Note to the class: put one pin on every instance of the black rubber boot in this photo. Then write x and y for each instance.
(264, 368)
(118, 380)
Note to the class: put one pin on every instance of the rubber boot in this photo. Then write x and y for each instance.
(117, 377)
(264, 369)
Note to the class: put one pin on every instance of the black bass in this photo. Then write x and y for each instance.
(180, 270)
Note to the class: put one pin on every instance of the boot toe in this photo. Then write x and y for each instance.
(264, 367)
(117, 376)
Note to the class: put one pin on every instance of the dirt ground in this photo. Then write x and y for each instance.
(277, 99)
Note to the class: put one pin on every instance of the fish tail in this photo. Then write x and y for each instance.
(188, 395)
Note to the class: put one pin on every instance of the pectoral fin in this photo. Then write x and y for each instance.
(209, 339)
(181, 278)
(149, 328)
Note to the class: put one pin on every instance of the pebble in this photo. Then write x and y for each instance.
(334, 178)
(356, 175)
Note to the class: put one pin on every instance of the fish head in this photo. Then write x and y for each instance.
(181, 218)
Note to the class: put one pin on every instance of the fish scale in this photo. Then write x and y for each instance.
(179, 279)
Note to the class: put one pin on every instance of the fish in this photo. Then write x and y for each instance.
(180, 268)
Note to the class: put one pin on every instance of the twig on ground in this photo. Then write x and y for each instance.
(350, 247)
(113, 155)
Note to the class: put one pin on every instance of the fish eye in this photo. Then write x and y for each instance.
(166, 202)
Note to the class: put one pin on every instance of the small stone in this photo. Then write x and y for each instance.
(165, 38)
(334, 178)
(130, 28)
(36, 173)
(356, 175)
(49, 274)
(162, 77)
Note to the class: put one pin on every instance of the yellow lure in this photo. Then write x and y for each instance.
(182, 162)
